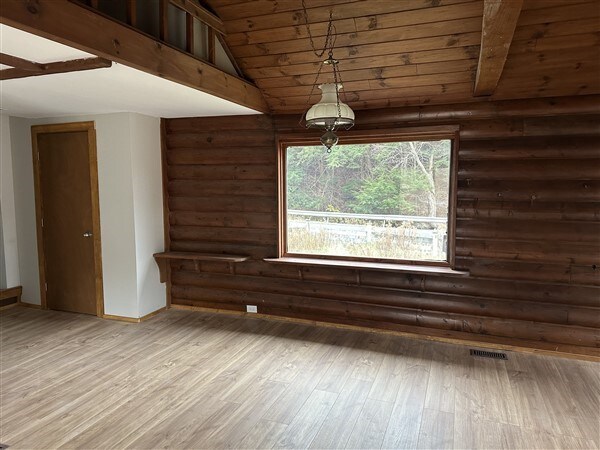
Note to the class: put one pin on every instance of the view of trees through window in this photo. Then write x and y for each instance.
(375, 200)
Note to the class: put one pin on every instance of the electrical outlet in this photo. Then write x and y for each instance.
(251, 308)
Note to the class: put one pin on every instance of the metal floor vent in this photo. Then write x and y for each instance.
(486, 354)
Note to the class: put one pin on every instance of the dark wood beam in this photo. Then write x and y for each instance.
(75, 65)
(19, 63)
(189, 33)
(499, 23)
(84, 29)
(211, 46)
(201, 14)
(131, 12)
(163, 21)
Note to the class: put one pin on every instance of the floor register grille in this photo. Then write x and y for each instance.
(487, 354)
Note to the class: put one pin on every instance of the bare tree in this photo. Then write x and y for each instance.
(416, 149)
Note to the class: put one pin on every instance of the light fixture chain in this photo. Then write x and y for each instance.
(337, 80)
(318, 115)
(329, 42)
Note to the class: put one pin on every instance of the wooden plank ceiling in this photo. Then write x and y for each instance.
(408, 52)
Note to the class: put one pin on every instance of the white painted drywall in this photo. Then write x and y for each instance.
(10, 263)
(128, 145)
(99, 91)
(148, 210)
(113, 142)
(20, 138)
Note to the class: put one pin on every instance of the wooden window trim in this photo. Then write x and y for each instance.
(406, 267)
(286, 140)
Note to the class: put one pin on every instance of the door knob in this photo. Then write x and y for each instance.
(87, 234)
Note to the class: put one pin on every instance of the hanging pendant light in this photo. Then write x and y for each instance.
(330, 113)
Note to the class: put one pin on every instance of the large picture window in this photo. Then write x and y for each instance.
(387, 198)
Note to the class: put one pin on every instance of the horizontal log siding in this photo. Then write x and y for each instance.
(527, 229)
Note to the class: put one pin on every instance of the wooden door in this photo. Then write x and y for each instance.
(68, 220)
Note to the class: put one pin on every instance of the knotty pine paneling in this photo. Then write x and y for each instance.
(527, 227)
(399, 53)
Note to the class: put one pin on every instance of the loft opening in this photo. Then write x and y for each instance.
(379, 196)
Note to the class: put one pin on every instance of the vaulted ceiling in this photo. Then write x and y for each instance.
(406, 52)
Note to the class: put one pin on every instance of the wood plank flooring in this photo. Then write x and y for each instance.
(188, 379)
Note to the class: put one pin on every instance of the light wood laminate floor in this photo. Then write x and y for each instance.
(188, 379)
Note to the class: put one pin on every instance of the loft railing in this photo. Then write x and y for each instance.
(183, 24)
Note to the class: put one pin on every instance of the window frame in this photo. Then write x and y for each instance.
(285, 140)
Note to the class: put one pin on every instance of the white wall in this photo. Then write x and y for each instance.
(9, 264)
(20, 137)
(113, 142)
(116, 143)
(148, 209)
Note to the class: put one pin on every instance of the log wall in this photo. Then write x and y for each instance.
(527, 227)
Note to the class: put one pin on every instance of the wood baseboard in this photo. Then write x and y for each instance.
(134, 319)
(152, 314)
(30, 305)
(493, 342)
(121, 318)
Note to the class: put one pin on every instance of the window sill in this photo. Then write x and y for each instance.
(365, 265)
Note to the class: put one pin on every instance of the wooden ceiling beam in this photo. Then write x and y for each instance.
(20, 63)
(84, 29)
(499, 24)
(75, 65)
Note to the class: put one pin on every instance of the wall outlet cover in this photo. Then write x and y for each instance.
(251, 308)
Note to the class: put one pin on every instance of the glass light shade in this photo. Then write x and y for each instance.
(325, 114)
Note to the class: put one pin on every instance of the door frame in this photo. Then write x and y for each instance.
(93, 167)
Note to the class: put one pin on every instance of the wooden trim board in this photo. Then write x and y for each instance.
(165, 198)
(75, 65)
(305, 260)
(30, 305)
(93, 151)
(134, 319)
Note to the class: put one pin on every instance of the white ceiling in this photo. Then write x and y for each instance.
(115, 89)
